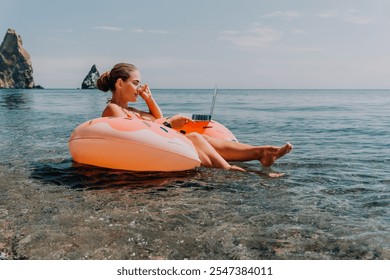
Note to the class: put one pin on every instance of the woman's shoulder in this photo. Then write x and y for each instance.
(113, 110)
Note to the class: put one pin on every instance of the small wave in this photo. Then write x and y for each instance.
(344, 191)
(377, 203)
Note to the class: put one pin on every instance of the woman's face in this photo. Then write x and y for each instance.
(131, 85)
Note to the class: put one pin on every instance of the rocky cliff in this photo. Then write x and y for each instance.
(91, 78)
(15, 64)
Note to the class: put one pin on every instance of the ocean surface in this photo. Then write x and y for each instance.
(331, 202)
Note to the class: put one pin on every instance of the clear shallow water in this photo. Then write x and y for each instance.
(332, 203)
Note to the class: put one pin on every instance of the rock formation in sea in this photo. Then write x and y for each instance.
(15, 64)
(91, 78)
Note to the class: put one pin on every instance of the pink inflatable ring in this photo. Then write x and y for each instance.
(139, 145)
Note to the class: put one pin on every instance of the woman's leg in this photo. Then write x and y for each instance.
(235, 151)
(208, 156)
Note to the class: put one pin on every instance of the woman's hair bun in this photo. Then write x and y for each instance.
(104, 82)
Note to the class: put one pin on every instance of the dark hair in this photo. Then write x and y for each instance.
(108, 79)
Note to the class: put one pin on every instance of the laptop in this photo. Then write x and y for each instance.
(199, 117)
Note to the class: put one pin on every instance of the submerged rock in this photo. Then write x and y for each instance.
(91, 78)
(15, 63)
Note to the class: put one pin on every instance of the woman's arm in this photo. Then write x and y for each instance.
(154, 109)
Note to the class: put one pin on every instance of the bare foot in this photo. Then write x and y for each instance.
(236, 168)
(275, 175)
(271, 154)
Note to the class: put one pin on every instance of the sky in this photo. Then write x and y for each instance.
(199, 44)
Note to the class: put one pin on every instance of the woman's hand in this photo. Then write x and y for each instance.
(144, 92)
(178, 121)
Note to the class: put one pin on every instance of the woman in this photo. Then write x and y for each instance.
(124, 81)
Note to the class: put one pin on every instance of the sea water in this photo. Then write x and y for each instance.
(330, 200)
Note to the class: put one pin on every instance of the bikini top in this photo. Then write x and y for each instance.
(129, 113)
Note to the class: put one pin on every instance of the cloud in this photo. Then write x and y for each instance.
(108, 28)
(137, 30)
(254, 37)
(329, 14)
(358, 19)
(349, 15)
(161, 32)
(284, 15)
